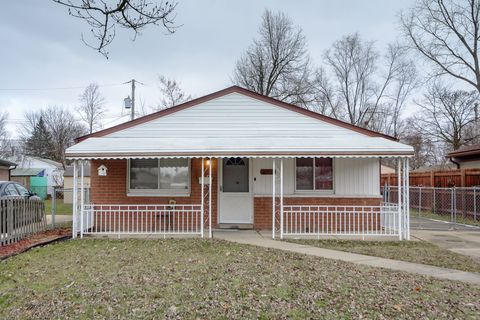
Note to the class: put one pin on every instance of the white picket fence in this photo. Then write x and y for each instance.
(121, 219)
(307, 220)
(19, 218)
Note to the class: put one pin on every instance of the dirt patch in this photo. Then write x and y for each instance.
(33, 241)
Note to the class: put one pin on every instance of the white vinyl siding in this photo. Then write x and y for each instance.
(236, 115)
(357, 177)
(352, 177)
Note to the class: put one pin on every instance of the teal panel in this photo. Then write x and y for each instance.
(39, 185)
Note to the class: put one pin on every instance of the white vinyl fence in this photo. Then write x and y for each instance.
(19, 218)
(305, 220)
(122, 219)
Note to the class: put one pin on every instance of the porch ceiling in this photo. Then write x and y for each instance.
(245, 146)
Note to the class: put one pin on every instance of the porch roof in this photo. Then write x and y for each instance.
(319, 146)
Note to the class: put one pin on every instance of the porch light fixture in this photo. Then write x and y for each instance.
(207, 162)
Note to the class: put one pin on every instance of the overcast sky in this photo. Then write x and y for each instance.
(41, 48)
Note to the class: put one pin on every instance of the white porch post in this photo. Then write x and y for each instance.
(210, 199)
(82, 198)
(399, 195)
(273, 199)
(74, 199)
(281, 198)
(407, 200)
(203, 196)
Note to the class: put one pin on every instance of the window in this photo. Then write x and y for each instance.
(22, 190)
(11, 191)
(159, 176)
(314, 174)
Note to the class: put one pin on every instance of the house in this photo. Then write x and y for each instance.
(38, 174)
(384, 169)
(33, 179)
(68, 182)
(237, 159)
(5, 169)
(467, 157)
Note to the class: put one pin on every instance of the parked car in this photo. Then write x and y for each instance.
(15, 191)
(9, 189)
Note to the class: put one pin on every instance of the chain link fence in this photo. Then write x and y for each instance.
(61, 203)
(458, 206)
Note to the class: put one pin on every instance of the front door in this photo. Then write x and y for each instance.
(235, 196)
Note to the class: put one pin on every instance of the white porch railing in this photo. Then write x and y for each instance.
(122, 219)
(306, 220)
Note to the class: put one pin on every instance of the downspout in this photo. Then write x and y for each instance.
(10, 171)
(454, 162)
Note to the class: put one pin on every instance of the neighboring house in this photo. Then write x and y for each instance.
(5, 169)
(52, 175)
(467, 157)
(384, 169)
(68, 182)
(218, 162)
(33, 179)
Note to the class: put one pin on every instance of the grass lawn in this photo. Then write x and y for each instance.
(214, 279)
(62, 208)
(411, 251)
(445, 217)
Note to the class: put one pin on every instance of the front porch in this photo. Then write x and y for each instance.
(284, 212)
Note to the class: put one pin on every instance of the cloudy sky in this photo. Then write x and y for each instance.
(44, 62)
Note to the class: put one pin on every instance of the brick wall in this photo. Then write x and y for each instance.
(263, 206)
(112, 189)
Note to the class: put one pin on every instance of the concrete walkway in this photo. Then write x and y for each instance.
(264, 240)
(59, 218)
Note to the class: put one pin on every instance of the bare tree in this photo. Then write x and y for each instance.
(61, 125)
(404, 81)
(277, 64)
(359, 85)
(135, 15)
(447, 116)
(4, 134)
(92, 107)
(446, 33)
(171, 93)
(426, 151)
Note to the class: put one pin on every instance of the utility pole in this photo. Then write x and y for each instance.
(133, 81)
(133, 99)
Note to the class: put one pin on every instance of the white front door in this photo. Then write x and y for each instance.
(235, 195)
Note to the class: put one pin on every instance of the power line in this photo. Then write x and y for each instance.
(58, 88)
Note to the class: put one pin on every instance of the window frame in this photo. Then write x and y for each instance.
(314, 191)
(159, 192)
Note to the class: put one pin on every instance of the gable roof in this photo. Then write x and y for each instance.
(240, 90)
(235, 122)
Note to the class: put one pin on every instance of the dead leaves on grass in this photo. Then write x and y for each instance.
(215, 279)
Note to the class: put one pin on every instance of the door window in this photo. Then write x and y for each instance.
(235, 175)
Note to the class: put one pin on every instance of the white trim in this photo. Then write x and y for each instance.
(246, 155)
(220, 192)
(159, 192)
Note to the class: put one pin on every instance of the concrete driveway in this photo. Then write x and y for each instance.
(419, 223)
(463, 242)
